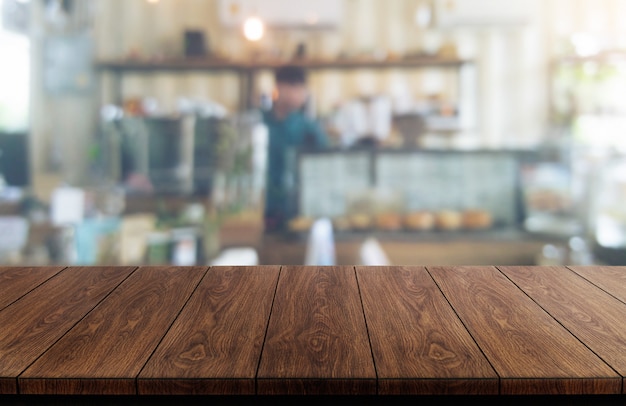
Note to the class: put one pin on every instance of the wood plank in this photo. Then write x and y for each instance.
(531, 352)
(610, 278)
(104, 353)
(588, 312)
(415, 353)
(34, 322)
(317, 340)
(214, 346)
(16, 281)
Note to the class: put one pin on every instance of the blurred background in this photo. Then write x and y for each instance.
(460, 132)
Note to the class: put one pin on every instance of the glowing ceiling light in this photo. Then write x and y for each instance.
(253, 28)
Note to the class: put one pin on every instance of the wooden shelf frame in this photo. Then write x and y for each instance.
(192, 64)
(246, 70)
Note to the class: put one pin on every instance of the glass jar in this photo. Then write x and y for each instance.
(610, 206)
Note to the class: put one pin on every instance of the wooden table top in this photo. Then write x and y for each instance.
(297, 330)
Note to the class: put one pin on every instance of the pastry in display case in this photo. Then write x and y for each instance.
(300, 224)
(375, 209)
(448, 220)
(341, 223)
(422, 220)
(361, 221)
(476, 219)
(548, 203)
(389, 221)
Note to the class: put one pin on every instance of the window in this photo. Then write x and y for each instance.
(14, 75)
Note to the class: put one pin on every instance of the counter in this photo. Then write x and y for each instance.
(269, 333)
(487, 247)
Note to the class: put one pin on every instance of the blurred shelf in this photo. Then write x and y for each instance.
(189, 64)
(608, 57)
(248, 69)
(146, 65)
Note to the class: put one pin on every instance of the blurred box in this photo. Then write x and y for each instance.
(67, 206)
(14, 233)
(97, 241)
(134, 232)
(195, 44)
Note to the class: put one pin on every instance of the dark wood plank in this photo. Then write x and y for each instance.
(104, 353)
(531, 352)
(420, 346)
(588, 312)
(214, 346)
(316, 341)
(610, 278)
(34, 322)
(17, 281)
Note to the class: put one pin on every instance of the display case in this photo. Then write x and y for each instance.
(387, 190)
(247, 72)
(183, 155)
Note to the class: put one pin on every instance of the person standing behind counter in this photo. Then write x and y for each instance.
(289, 129)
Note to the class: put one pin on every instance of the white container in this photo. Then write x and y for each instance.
(610, 219)
(184, 247)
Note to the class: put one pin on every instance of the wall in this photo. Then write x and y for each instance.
(510, 88)
(62, 124)
(507, 95)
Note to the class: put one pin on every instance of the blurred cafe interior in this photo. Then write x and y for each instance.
(455, 132)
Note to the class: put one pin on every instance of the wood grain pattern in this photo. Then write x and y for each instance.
(531, 352)
(414, 351)
(596, 318)
(104, 353)
(215, 344)
(609, 278)
(17, 281)
(317, 340)
(375, 332)
(34, 322)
